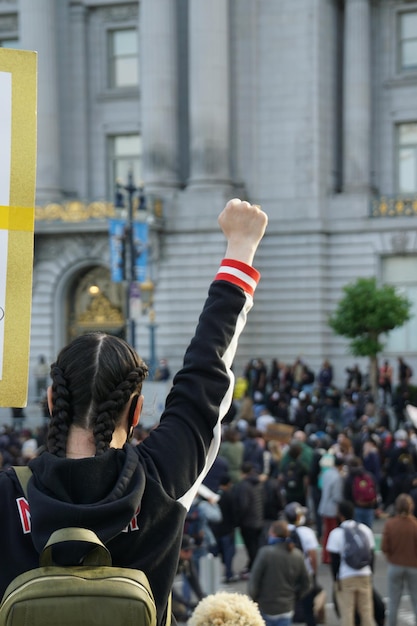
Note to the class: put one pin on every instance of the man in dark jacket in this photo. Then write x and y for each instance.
(224, 531)
(279, 577)
(249, 503)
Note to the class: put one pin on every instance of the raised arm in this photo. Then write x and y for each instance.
(189, 433)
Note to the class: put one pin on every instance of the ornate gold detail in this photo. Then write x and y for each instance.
(394, 207)
(74, 211)
(101, 312)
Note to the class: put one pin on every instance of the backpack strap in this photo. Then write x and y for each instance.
(23, 473)
(98, 556)
(169, 609)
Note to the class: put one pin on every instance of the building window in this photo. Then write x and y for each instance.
(407, 158)
(123, 58)
(125, 154)
(408, 40)
(401, 272)
(9, 43)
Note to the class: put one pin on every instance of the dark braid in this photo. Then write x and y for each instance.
(92, 381)
(109, 410)
(61, 414)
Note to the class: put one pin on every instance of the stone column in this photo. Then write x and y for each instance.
(76, 165)
(209, 100)
(357, 96)
(158, 89)
(38, 30)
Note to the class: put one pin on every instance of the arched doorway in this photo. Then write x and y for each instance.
(95, 303)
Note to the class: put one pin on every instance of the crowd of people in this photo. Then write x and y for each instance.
(296, 451)
(294, 438)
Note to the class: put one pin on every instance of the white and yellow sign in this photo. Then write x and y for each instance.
(17, 200)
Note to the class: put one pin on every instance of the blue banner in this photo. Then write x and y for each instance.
(117, 239)
(141, 246)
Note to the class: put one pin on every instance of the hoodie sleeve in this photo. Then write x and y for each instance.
(184, 445)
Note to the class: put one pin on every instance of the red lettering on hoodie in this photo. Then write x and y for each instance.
(24, 514)
(133, 525)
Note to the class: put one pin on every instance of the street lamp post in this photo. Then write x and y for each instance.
(132, 290)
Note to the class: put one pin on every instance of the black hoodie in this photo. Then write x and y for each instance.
(136, 498)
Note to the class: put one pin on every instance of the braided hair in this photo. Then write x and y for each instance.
(93, 379)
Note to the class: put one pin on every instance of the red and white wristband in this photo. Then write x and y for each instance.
(240, 274)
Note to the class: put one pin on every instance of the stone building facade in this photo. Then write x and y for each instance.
(307, 107)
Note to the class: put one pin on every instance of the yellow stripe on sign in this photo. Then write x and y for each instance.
(17, 218)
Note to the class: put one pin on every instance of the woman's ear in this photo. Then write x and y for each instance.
(135, 410)
(49, 398)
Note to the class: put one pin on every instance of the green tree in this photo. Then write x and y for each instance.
(366, 312)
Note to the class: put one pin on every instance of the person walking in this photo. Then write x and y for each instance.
(135, 499)
(306, 540)
(353, 585)
(278, 577)
(399, 544)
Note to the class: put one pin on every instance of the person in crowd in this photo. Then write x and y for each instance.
(278, 577)
(263, 420)
(231, 449)
(162, 372)
(354, 378)
(343, 448)
(203, 512)
(331, 494)
(186, 583)
(253, 451)
(215, 474)
(296, 516)
(41, 372)
(95, 402)
(314, 479)
(404, 372)
(256, 375)
(293, 474)
(297, 372)
(353, 586)
(226, 609)
(19, 417)
(385, 375)
(224, 530)
(371, 457)
(400, 400)
(325, 378)
(399, 544)
(249, 510)
(400, 466)
(360, 488)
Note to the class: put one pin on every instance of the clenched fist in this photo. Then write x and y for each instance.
(243, 225)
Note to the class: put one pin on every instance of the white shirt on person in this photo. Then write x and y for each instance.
(308, 540)
(336, 543)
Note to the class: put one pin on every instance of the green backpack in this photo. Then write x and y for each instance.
(82, 595)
